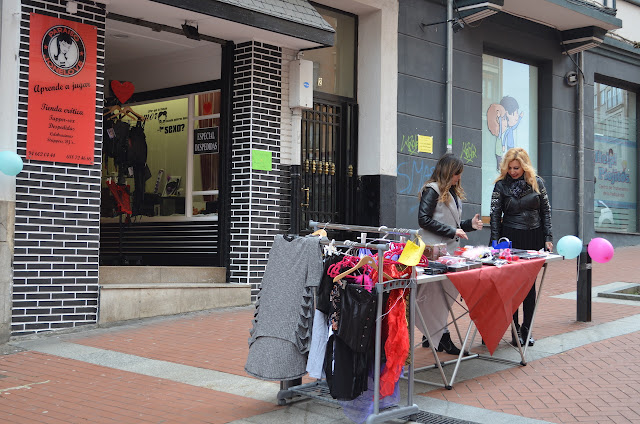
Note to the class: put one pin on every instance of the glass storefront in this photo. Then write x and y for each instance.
(181, 175)
(509, 116)
(616, 159)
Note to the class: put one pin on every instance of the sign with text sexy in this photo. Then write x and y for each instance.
(62, 91)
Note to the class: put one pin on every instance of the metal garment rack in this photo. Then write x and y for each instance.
(314, 389)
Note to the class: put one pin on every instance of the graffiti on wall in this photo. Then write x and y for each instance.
(412, 174)
(469, 152)
(409, 144)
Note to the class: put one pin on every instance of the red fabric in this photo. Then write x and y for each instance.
(396, 347)
(493, 294)
(121, 194)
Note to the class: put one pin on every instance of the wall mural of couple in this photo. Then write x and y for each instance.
(502, 120)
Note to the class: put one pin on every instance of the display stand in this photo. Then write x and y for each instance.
(464, 353)
(318, 389)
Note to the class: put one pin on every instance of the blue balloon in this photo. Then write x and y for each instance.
(10, 163)
(569, 247)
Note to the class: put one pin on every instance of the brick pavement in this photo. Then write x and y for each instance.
(39, 388)
(593, 383)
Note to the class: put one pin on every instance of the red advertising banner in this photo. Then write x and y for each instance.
(62, 91)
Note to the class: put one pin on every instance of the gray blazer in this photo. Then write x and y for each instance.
(441, 225)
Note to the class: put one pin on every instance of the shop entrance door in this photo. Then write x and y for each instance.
(329, 161)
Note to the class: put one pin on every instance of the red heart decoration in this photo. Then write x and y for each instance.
(122, 90)
(207, 108)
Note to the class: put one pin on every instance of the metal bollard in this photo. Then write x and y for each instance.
(583, 311)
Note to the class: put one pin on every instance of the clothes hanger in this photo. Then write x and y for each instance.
(128, 111)
(115, 112)
(365, 260)
(321, 232)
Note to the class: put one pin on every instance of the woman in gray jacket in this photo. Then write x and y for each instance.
(439, 217)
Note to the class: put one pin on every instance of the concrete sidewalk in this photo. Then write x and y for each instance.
(190, 368)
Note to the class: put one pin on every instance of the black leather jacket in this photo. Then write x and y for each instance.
(427, 207)
(526, 210)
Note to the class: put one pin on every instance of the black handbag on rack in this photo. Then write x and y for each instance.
(357, 317)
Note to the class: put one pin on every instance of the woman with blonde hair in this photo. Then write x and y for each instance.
(440, 220)
(520, 211)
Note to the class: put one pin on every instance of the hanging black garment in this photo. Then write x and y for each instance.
(137, 151)
(121, 144)
(324, 289)
(346, 371)
(137, 159)
(357, 317)
(115, 142)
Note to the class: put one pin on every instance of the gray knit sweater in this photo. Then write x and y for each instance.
(281, 333)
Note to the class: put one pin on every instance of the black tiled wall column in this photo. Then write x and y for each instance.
(57, 230)
(259, 208)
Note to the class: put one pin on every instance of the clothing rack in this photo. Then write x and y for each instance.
(314, 389)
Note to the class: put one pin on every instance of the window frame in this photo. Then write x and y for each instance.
(189, 192)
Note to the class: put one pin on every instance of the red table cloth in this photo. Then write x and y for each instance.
(493, 294)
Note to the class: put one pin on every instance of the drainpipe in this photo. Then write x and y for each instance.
(583, 301)
(294, 171)
(580, 123)
(449, 111)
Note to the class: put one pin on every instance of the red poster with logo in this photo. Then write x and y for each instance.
(62, 91)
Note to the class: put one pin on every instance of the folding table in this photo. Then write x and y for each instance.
(491, 295)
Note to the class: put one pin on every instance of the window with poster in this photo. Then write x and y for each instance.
(615, 159)
(509, 116)
(181, 176)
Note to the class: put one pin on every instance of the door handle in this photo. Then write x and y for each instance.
(306, 190)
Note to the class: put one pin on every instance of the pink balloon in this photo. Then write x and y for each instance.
(600, 250)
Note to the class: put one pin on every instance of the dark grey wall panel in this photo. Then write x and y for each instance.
(563, 127)
(414, 12)
(466, 107)
(429, 63)
(419, 97)
(564, 223)
(465, 73)
(564, 97)
(562, 193)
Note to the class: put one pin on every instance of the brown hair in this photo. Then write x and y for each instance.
(445, 169)
(520, 155)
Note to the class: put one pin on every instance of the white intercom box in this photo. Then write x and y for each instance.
(301, 83)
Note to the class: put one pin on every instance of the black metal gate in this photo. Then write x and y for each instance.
(329, 159)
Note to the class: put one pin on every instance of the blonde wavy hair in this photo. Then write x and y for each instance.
(520, 155)
(445, 169)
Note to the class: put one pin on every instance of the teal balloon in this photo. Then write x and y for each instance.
(569, 247)
(10, 163)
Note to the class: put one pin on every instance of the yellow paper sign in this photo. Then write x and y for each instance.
(425, 143)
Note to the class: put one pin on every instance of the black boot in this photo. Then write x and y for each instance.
(425, 342)
(524, 331)
(513, 339)
(447, 345)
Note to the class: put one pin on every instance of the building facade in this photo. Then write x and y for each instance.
(215, 69)
(557, 77)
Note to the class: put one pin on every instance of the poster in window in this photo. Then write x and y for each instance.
(509, 116)
(62, 90)
(172, 186)
(615, 163)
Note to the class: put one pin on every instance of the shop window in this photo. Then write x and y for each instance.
(182, 162)
(509, 116)
(334, 67)
(615, 157)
